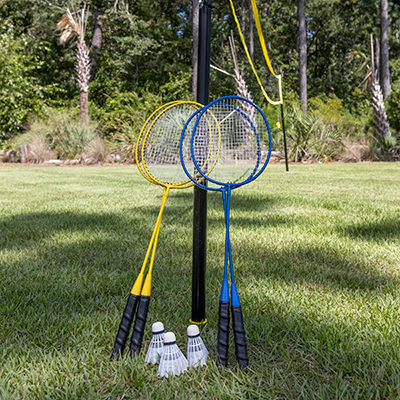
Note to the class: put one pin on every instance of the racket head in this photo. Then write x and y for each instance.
(160, 146)
(238, 150)
(207, 163)
(142, 135)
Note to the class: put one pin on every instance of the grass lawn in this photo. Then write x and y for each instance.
(317, 261)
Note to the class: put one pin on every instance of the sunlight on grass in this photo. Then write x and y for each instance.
(317, 265)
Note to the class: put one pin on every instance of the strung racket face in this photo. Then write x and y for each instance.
(239, 149)
(159, 146)
(142, 135)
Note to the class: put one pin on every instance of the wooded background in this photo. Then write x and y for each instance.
(142, 55)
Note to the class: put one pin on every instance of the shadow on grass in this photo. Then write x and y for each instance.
(240, 199)
(78, 277)
(322, 353)
(26, 229)
(387, 229)
(320, 266)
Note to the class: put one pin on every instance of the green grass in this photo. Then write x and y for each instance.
(317, 261)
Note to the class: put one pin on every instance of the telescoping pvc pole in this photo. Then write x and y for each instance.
(200, 195)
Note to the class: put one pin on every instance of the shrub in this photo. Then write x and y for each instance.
(39, 150)
(122, 117)
(96, 151)
(309, 136)
(19, 93)
(61, 130)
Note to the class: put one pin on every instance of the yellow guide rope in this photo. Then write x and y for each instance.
(264, 49)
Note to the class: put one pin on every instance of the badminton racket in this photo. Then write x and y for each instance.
(157, 157)
(239, 154)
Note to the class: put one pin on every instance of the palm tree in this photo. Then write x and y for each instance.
(367, 69)
(73, 24)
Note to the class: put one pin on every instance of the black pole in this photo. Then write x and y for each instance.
(200, 195)
(284, 138)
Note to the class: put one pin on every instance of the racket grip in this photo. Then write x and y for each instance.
(140, 322)
(240, 337)
(223, 334)
(124, 327)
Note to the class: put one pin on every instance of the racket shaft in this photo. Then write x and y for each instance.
(240, 337)
(140, 323)
(124, 327)
(223, 334)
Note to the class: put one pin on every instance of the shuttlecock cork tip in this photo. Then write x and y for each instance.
(157, 327)
(193, 330)
(169, 338)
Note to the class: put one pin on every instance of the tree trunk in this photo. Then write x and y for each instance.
(378, 105)
(302, 42)
(377, 56)
(251, 32)
(84, 107)
(82, 69)
(195, 47)
(380, 117)
(96, 42)
(385, 74)
(243, 19)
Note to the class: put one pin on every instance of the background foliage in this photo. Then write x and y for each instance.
(146, 51)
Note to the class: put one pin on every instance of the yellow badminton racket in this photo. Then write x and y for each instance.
(158, 160)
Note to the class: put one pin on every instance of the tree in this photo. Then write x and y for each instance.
(384, 50)
(302, 44)
(96, 41)
(20, 95)
(74, 25)
(380, 117)
(195, 47)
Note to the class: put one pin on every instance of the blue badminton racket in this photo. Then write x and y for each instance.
(236, 142)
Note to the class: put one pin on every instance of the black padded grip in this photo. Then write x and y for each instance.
(124, 327)
(240, 337)
(140, 322)
(223, 334)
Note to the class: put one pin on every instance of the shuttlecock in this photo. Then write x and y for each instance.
(196, 350)
(172, 361)
(156, 345)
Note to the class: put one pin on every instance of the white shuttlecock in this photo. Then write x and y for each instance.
(172, 361)
(156, 345)
(196, 350)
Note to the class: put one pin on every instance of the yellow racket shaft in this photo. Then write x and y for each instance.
(137, 287)
(147, 283)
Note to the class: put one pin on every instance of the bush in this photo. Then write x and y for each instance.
(310, 136)
(122, 117)
(96, 151)
(61, 131)
(19, 93)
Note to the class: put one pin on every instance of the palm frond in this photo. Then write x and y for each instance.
(73, 24)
